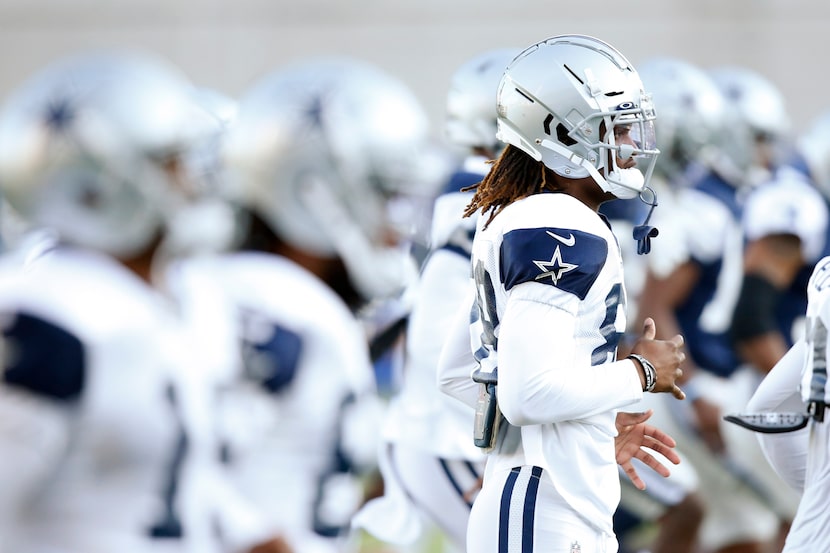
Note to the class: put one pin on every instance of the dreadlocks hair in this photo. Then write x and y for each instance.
(514, 175)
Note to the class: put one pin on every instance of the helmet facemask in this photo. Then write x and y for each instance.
(626, 143)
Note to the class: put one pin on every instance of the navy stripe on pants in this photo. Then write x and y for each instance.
(518, 505)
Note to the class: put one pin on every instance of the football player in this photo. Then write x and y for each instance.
(431, 467)
(796, 389)
(690, 111)
(324, 160)
(786, 228)
(550, 305)
(106, 388)
(693, 284)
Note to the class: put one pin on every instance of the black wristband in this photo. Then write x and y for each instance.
(649, 371)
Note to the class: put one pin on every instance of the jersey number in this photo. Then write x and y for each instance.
(486, 302)
(608, 330)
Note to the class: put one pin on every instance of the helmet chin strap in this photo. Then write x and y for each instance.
(643, 233)
(626, 186)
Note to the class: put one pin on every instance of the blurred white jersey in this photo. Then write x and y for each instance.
(105, 444)
(421, 415)
(434, 466)
(552, 304)
(302, 412)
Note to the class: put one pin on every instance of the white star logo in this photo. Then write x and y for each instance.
(554, 268)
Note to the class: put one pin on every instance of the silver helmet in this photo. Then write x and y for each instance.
(563, 100)
(87, 144)
(758, 99)
(691, 114)
(471, 99)
(762, 108)
(327, 153)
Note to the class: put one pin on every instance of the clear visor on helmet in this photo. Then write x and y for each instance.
(642, 133)
(632, 133)
(625, 146)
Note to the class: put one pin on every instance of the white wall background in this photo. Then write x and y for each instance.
(227, 44)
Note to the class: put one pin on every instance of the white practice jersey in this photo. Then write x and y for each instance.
(434, 463)
(551, 299)
(302, 412)
(105, 444)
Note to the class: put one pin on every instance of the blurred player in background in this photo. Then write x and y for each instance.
(786, 229)
(105, 428)
(324, 162)
(431, 467)
(763, 109)
(694, 282)
(689, 111)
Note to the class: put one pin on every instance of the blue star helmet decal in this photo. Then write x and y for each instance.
(59, 114)
(570, 260)
(314, 112)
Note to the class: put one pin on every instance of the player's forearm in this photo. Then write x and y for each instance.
(540, 380)
(454, 376)
(779, 392)
(556, 396)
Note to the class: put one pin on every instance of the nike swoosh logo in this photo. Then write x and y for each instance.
(569, 241)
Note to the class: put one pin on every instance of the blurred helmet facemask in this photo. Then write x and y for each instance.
(692, 115)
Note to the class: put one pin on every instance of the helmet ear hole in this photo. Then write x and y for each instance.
(563, 136)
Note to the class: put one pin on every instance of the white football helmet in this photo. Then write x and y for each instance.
(560, 101)
(327, 153)
(471, 100)
(691, 114)
(88, 145)
(759, 101)
(762, 107)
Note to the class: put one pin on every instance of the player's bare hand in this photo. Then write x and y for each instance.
(632, 436)
(665, 355)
